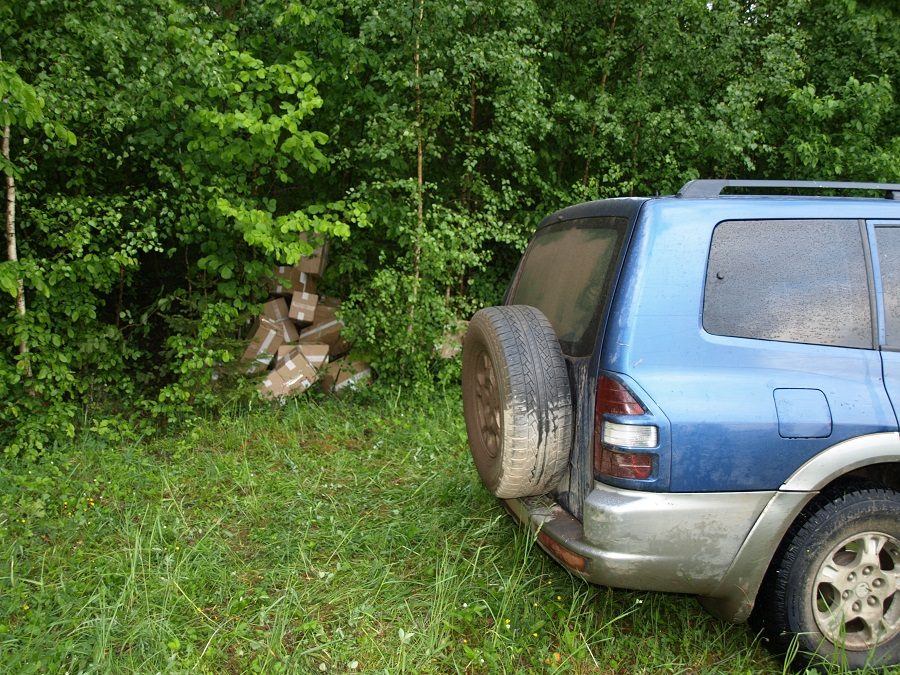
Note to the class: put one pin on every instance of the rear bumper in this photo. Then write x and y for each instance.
(675, 542)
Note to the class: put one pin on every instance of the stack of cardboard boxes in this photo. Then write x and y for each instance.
(301, 342)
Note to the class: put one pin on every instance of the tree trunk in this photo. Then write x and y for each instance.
(637, 128)
(11, 249)
(420, 173)
(473, 121)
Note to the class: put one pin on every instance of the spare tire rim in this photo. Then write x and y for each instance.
(488, 408)
(856, 600)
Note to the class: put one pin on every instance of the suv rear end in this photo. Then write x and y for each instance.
(732, 362)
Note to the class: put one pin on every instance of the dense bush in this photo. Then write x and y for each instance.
(165, 154)
(144, 239)
(462, 124)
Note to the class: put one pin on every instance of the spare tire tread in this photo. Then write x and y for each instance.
(535, 403)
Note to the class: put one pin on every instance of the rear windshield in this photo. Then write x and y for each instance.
(566, 273)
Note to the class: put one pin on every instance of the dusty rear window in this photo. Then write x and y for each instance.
(566, 273)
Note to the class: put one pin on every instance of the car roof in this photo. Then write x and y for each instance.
(710, 191)
(624, 207)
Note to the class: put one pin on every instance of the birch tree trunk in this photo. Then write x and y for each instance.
(11, 249)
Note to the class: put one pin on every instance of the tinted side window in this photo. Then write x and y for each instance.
(789, 280)
(888, 240)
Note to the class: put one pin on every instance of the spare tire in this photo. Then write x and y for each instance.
(517, 401)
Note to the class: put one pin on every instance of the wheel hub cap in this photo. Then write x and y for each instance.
(488, 408)
(856, 599)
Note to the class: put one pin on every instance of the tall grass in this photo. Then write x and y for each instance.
(324, 536)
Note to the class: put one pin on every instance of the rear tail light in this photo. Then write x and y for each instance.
(630, 435)
(614, 442)
(615, 399)
(619, 464)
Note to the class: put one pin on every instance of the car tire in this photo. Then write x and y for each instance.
(834, 586)
(517, 401)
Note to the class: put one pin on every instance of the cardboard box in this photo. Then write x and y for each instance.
(284, 351)
(272, 386)
(263, 346)
(287, 330)
(452, 340)
(325, 323)
(297, 373)
(303, 307)
(343, 374)
(314, 263)
(294, 376)
(276, 314)
(326, 328)
(316, 353)
(276, 309)
(284, 281)
(260, 363)
(291, 279)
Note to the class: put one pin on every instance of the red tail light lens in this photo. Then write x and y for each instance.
(614, 399)
(637, 465)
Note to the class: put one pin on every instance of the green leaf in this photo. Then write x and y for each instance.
(9, 280)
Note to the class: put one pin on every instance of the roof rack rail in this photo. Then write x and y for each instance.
(714, 187)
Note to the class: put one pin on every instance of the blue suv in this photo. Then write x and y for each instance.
(698, 393)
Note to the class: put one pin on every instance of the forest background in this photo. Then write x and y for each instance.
(166, 154)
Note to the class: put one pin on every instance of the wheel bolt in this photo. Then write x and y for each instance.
(872, 601)
(878, 583)
(857, 606)
(845, 595)
(867, 570)
(851, 576)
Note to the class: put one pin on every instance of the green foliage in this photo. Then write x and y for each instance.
(478, 106)
(210, 137)
(522, 109)
(197, 358)
(20, 104)
(143, 247)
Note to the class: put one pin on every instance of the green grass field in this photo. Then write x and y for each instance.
(325, 536)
